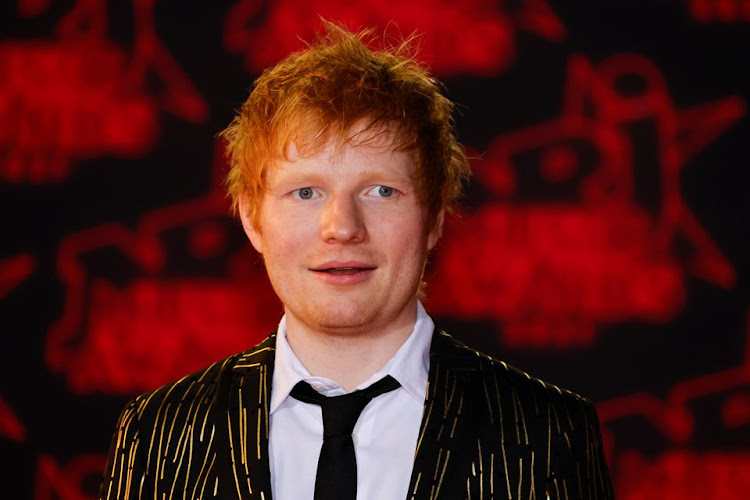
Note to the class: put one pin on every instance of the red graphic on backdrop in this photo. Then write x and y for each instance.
(704, 409)
(725, 11)
(11, 426)
(684, 475)
(79, 479)
(163, 318)
(56, 109)
(565, 245)
(32, 8)
(672, 415)
(470, 36)
(83, 97)
(14, 271)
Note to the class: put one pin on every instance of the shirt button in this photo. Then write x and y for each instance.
(355, 440)
(318, 387)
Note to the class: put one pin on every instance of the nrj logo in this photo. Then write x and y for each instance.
(585, 214)
(144, 306)
(462, 37)
(83, 96)
(683, 475)
(719, 11)
(708, 410)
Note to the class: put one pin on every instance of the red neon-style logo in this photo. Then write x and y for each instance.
(82, 96)
(724, 402)
(11, 426)
(466, 37)
(76, 480)
(724, 11)
(563, 245)
(162, 317)
(14, 271)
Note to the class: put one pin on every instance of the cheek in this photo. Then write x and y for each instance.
(283, 246)
(408, 245)
(284, 233)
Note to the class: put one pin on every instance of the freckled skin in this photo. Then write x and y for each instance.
(353, 211)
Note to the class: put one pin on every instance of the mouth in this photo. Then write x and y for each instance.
(344, 270)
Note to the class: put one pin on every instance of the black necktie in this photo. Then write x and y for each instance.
(337, 466)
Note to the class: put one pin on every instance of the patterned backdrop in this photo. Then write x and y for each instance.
(603, 243)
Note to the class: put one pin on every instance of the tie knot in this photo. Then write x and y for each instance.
(336, 478)
(340, 413)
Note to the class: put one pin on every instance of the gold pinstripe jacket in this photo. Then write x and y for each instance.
(489, 431)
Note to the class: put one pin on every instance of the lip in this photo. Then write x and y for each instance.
(348, 272)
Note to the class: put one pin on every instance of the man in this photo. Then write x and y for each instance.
(343, 167)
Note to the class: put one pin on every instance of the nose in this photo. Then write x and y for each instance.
(342, 221)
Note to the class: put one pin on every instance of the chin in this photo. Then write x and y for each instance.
(342, 319)
(338, 315)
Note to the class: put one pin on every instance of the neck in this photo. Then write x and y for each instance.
(348, 358)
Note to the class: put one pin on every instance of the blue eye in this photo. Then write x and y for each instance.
(386, 191)
(382, 192)
(305, 193)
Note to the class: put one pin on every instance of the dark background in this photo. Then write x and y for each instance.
(602, 244)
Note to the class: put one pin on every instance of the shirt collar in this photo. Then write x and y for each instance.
(410, 365)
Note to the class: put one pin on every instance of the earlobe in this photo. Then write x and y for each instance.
(437, 231)
(252, 232)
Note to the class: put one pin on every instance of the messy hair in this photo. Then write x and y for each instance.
(318, 95)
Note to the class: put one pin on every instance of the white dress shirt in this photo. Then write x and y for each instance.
(385, 436)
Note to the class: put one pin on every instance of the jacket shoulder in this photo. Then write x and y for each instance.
(554, 429)
(201, 385)
(495, 371)
(162, 422)
(532, 386)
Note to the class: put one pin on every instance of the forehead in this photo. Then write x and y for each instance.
(365, 144)
(346, 165)
(311, 137)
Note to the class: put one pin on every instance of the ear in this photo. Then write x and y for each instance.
(437, 230)
(252, 232)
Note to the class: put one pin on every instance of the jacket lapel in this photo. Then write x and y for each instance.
(448, 429)
(241, 419)
(448, 432)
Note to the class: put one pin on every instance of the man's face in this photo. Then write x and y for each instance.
(344, 238)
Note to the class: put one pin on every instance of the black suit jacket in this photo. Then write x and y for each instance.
(489, 431)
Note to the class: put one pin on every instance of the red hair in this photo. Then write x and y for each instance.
(318, 94)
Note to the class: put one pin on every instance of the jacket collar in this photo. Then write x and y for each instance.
(448, 428)
(241, 419)
(446, 432)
